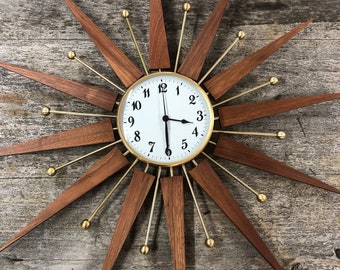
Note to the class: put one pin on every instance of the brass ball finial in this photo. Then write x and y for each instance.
(144, 250)
(45, 111)
(71, 55)
(51, 171)
(241, 35)
(125, 14)
(274, 80)
(209, 242)
(262, 198)
(85, 224)
(186, 6)
(281, 135)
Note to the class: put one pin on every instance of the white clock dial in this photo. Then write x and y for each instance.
(165, 119)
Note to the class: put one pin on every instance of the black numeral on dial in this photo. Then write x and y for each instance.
(136, 105)
(137, 136)
(152, 144)
(184, 144)
(162, 88)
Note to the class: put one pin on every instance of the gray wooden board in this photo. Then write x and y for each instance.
(300, 224)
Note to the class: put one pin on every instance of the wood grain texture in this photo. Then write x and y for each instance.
(94, 95)
(221, 83)
(298, 222)
(125, 69)
(195, 59)
(158, 44)
(107, 166)
(231, 115)
(172, 191)
(209, 181)
(138, 190)
(96, 133)
(238, 152)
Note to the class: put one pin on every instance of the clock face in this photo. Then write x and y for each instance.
(165, 119)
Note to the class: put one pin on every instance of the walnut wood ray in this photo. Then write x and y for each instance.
(138, 189)
(107, 166)
(127, 72)
(172, 190)
(231, 115)
(96, 133)
(221, 83)
(194, 61)
(97, 96)
(209, 181)
(158, 47)
(235, 151)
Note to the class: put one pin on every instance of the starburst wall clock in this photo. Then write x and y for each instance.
(166, 145)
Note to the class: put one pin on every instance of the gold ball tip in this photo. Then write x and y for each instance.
(262, 198)
(241, 35)
(85, 224)
(186, 7)
(45, 111)
(144, 250)
(125, 13)
(209, 242)
(71, 55)
(281, 135)
(274, 80)
(51, 171)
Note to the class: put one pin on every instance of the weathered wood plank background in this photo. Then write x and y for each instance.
(299, 223)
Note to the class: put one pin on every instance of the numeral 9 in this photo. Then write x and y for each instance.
(131, 121)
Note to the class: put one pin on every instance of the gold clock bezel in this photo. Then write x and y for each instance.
(170, 163)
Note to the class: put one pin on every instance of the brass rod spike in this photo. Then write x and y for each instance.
(209, 242)
(86, 223)
(144, 249)
(186, 8)
(125, 15)
(280, 134)
(211, 142)
(260, 196)
(46, 111)
(272, 81)
(195, 162)
(240, 35)
(53, 170)
(73, 56)
(171, 171)
(147, 167)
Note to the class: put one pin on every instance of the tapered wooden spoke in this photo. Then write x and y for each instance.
(107, 166)
(194, 61)
(221, 83)
(231, 115)
(172, 190)
(97, 96)
(235, 151)
(96, 133)
(209, 181)
(135, 196)
(158, 47)
(120, 63)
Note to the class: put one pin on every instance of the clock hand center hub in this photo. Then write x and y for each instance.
(165, 118)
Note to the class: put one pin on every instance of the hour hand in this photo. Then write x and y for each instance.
(183, 121)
